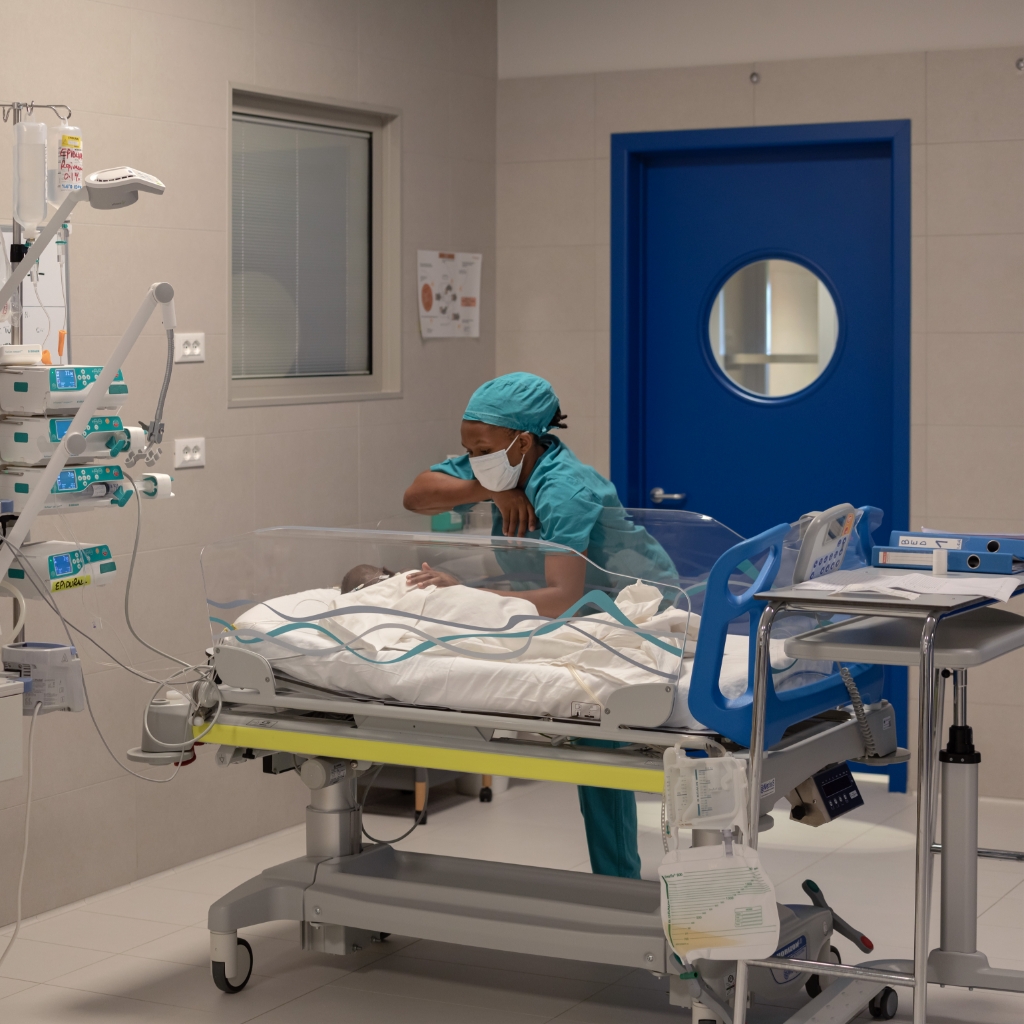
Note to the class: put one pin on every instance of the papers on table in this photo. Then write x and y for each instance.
(912, 585)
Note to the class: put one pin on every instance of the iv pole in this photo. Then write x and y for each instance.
(17, 246)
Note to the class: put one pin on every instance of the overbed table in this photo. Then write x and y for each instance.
(889, 630)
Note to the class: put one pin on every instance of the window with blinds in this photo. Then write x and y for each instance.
(301, 249)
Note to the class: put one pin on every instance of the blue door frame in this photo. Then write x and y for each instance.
(631, 155)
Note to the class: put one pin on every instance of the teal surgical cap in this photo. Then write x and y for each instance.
(522, 401)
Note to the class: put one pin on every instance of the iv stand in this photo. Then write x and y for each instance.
(17, 109)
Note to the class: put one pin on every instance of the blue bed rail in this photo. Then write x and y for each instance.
(732, 716)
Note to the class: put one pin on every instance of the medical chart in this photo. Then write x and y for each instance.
(449, 294)
(718, 904)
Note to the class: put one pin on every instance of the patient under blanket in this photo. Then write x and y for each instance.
(568, 672)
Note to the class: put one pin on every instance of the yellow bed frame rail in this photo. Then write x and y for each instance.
(532, 763)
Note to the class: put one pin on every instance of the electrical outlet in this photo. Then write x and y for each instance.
(189, 348)
(189, 452)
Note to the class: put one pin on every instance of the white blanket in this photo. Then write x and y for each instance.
(563, 674)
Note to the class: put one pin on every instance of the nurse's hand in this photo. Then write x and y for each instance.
(428, 577)
(517, 514)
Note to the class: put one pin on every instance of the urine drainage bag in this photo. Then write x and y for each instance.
(718, 903)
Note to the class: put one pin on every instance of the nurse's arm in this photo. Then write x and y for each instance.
(565, 576)
(433, 492)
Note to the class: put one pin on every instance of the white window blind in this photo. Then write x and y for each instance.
(300, 254)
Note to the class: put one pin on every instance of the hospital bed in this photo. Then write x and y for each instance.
(659, 653)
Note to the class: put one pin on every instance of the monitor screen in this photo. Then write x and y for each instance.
(61, 428)
(66, 480)
(836, 786)
(65, 379)
(62, 565)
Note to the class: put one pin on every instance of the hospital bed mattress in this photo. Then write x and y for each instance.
(354, 645)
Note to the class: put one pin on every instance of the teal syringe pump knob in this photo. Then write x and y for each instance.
(121, 497)
(118, 444)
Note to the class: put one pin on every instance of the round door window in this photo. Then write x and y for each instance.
(773, 328)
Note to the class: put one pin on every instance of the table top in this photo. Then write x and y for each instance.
(861, 603)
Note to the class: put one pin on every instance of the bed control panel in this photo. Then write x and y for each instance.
(825, 795)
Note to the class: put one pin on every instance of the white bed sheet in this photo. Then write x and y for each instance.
(564, 668)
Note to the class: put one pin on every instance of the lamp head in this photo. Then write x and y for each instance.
(119, 186)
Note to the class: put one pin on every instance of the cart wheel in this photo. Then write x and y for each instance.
(220, 979)
(485, 794)
(885, 1004)
(813, 984)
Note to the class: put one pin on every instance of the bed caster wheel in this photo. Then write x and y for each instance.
(219, 978)
(885, 1004)
(813, 985)
(485, 794)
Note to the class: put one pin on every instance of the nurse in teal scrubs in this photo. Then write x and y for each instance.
(540, 489)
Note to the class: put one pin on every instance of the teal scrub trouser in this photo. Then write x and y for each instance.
(609, 816)
(610, 819)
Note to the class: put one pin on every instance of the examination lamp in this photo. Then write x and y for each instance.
(111, 189)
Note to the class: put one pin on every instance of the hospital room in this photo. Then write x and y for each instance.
(512, 511)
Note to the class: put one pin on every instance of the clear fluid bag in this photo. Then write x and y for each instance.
(30, 174)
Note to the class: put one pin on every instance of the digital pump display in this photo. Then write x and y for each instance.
(61, 427)
(62, 565)
(66, 380)
(66, 480)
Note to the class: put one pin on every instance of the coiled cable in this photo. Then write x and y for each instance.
(858, 709)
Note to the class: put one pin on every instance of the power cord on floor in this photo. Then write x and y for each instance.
(420, 815)
(24, 846)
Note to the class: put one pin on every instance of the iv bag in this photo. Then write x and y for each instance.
(30, 174)
(63, 163)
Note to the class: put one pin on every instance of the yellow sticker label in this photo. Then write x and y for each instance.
(70, 584)
(71, 141)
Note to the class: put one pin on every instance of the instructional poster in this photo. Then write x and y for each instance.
(449, 294)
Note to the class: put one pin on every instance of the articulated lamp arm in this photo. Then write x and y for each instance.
(160, 294)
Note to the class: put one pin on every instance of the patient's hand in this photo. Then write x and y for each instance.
(428, 577)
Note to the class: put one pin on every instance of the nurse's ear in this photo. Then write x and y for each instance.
(525, 442)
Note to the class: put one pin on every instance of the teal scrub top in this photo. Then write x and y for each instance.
(580, 509)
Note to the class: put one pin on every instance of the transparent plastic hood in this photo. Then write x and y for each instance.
(340, 611)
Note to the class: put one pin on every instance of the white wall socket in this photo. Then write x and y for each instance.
(189, 452)
(189, 348)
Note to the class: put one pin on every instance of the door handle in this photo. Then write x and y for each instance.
(658, 495)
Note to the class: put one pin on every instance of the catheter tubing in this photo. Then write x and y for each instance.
(20, 271)
(160, 293)
(756, 755)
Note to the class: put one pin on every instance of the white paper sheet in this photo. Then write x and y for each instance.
(449, 294)
(913, 584)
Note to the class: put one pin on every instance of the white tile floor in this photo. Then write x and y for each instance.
(141, 953)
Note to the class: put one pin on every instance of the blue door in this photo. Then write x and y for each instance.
(699, 216)
(690, 209)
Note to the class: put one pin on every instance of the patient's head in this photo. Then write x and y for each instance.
(360, 576)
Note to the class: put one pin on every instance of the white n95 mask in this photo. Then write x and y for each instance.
(495, 472)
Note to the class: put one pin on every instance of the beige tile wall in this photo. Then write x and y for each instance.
(967, 109)
(149, 86)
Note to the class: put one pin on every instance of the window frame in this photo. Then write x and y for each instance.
(385, 378)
